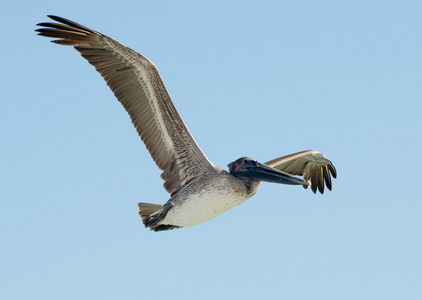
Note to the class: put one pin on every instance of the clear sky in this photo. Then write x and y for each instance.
(250, 78)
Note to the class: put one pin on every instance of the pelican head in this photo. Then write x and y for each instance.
(250, 168)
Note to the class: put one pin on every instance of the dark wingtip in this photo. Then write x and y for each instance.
(332, 170)
(314, 188)
(56, 18)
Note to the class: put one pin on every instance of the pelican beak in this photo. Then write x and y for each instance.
(258, 171)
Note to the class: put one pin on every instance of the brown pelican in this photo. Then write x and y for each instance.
(200, 191)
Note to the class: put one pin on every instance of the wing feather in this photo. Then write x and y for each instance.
(138, 86)
(310, 164)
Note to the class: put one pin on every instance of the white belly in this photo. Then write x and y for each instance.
(204, 204)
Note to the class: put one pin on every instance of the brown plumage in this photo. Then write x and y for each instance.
(138, 86)
(199, 190)
(310, 164)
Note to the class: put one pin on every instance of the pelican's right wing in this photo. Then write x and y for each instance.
(310, 163)
(138, 86)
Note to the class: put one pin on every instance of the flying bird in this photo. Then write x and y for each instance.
(199, 190)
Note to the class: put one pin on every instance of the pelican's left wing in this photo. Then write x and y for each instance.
(311, 164)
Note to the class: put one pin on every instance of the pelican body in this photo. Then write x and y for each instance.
(200, 191)
(202, 200)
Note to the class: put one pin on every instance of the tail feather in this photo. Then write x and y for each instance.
(146, 210)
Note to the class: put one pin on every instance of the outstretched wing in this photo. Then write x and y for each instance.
(136, 83)
(311, 164)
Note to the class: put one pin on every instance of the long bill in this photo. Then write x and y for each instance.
(258, 171)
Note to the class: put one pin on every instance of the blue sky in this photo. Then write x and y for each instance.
(259, 80)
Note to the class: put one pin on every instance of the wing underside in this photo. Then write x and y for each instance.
(310, 164)
(138, 86)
